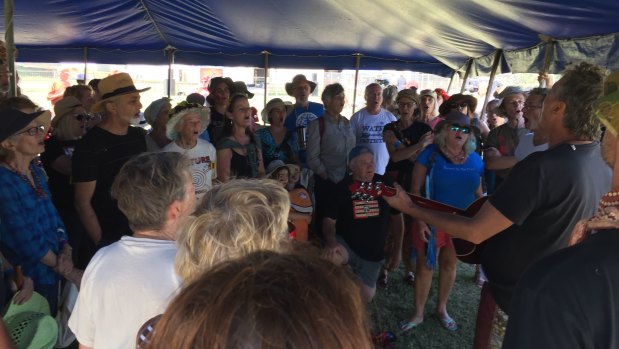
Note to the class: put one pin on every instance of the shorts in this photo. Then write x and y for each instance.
(366, 271)
(442, 239)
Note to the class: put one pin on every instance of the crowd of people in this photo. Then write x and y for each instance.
(212, 231)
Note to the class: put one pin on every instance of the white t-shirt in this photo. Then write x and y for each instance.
(203, 159)
(368, 130)
(525, 146)
(124, 285)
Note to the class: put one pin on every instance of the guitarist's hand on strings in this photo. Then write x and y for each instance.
(423, 230)
(400, 201)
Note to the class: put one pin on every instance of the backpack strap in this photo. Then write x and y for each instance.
(321, 126)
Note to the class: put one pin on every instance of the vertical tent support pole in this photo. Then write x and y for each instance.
(495, 66)
(9, 40)
(357, 65)
(548, 53)
(469, 66)
(266, 74)
(170, 55)
(85, 64)
(451, 81)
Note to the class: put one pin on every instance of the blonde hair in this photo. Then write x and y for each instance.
(63, 130)
(233, 219)
(440, 138)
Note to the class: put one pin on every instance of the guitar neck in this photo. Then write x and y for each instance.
(425, 203)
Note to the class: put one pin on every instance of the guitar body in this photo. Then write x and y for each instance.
(466, 251)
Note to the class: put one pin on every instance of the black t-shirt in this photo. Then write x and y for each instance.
(365, 234)
(409, 137)
(569, 299)
(545, 195)
(59, 183)
(215, 127)
(98, 156)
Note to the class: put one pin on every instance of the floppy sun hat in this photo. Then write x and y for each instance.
(30, 325)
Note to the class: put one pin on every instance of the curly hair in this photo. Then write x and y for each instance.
(234, 219)
(267, 300)
(582, 85)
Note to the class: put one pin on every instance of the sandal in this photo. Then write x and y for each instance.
(447, 322)
(383, 279)
(410, 278)
(406, 326)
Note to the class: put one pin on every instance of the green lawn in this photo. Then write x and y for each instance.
(394, 304)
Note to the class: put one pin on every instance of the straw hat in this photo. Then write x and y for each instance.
(290, 86)
(64, 107)
(241, 87)
(115, 85)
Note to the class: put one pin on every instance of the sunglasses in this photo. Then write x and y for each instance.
(461, 105)
(464, 129)
(82, 117)
(33, 131)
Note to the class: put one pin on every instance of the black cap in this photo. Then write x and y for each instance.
(13, 120)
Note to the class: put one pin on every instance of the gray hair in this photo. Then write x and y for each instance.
(146, 186)
(331, 91)
(582, 85)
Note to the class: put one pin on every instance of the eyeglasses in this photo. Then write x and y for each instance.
(33, 131)
(408, 105)
(461, 105)
(527, 106)
(464, 129)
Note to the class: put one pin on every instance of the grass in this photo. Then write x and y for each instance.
(394, 304)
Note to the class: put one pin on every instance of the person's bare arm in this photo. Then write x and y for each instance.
(224, 158)
(485, 224)
(401, 153)
(83, 194)
(82, 346)
(62, 164)
(261, 171)
(500, 162)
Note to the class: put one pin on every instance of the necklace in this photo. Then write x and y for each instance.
(457, 158)
(37, 186)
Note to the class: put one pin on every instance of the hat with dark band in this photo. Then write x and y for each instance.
(115, 85)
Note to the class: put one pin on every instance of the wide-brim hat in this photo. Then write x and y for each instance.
(606, 108)
(212, 84)
(510, 90)
(14, 120)
(178, 116)
(408, 93)
(241, 87)
(115, 85)
(273, 103)
(295, 81)
(64, 107)
(454, 117)
(274, 166)
(445, 107)
(30, 324)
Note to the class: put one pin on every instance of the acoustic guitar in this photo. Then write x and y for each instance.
(466, 251)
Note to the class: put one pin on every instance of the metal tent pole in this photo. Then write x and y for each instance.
(266, 74)
(169, 50)
(469, 66)
(357, 65)
(451, 81)
(495, 66)
(9, 40)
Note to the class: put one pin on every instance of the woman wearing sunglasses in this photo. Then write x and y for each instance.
(68, 125)
(448, 171)
(33, 235)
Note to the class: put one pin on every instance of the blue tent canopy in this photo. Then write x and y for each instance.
(437, 36)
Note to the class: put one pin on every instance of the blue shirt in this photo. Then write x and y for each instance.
(452, 184)
(301, 117)
(272, 151)
(29, 225)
